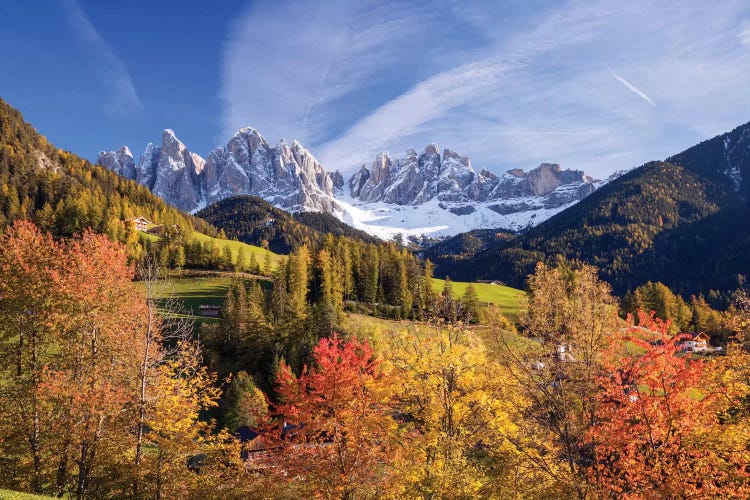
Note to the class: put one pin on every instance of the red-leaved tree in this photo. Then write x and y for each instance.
(338, 434)
(656, 411)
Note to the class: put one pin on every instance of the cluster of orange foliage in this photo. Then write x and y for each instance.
(84, 371)
(658, 432)
(96, 400)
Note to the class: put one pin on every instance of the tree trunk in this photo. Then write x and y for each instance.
(34, 437)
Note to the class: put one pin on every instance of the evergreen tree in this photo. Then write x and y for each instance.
(330, 303)
(470, 305)
(298, 269)
(177, 256)
(267, 262)
(428, 292)
(241, 264)
(368, 274)
(226, 258)
(244, 404)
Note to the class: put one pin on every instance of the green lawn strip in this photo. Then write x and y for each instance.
(234, 246)
(148, 237)
(506, 298)
(15, 495)
(195, 292)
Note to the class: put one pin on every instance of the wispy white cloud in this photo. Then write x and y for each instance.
(110, 70)
(632, 88)
(510, 87)
(401, 117)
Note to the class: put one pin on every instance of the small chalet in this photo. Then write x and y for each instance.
(141, 223)
(565, 353)
(491, 282)
(694, 342)
(209, 311)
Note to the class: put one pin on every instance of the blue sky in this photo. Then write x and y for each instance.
(596, 85)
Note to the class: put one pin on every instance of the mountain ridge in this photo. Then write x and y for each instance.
(286, 175)
(443, 186)
(684, 221)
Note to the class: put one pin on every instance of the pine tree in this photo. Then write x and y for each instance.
(177, 256)
(470, 305)
(330, 304)
(429, 294)
(244, 404)
(298, 269)
(267, 264)
(242, 261)
(368, 274)
(226, 258)
(405, 294)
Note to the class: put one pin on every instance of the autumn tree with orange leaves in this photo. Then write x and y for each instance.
(656, 415)
(339, 429)
(74, 332)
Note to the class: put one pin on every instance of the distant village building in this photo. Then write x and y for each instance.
(209, 311)
(695, 342)
(141, 223)
(565, 353)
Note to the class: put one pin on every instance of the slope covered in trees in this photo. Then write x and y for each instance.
(253, 220)
(682, 222)
(65, 194)
(102, 397)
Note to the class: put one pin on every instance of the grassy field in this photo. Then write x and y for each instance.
(260, 253)
(234, 246)
(506, 298)
(14, 495)
(194, 292)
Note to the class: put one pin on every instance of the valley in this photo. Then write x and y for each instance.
(502, 253)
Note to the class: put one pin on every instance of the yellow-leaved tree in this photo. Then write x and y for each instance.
(457, 436)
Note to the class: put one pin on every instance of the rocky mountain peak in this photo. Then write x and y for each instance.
(411, 180)
(287, 174)
(431, 149)
(120, 161)
(450, 155)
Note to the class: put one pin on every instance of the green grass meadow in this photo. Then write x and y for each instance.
(15, 495)
(234, 246)
(194, 292)
(504, 297)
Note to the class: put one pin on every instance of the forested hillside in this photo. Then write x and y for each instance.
(683, 222)
(65, 194)
(103, 397)
(253, 220)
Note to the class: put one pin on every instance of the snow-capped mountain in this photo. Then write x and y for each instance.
(433, 193)
(286, 175)
(413, 179)
(436, 194)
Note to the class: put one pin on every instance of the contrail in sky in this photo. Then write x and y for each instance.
(632, 88)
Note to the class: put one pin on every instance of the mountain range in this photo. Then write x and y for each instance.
(684, 221)
(430, 193)
(286, 175)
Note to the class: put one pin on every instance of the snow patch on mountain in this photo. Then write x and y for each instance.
(435, 218)
(431, 193)
(286, 175)
(736, 152)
